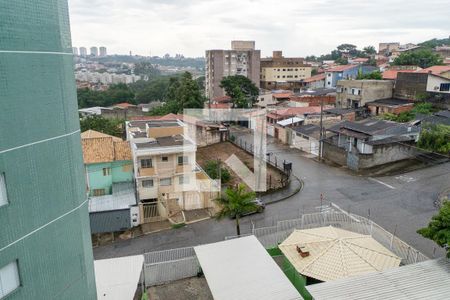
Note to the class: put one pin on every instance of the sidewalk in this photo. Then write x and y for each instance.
(295, 186)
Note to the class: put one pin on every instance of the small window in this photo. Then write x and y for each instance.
(445, 87)
(106, 171)
(3, 194)
(98, 192)
(146, 163)
(165, 181)
(147, 183)
(165, 158)
(9, 279)
(183, 160)
(183, 179)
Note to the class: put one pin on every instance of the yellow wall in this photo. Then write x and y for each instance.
(272, 73)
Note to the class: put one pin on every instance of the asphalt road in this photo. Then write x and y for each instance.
(400, 204)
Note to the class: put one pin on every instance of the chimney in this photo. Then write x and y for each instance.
(277, 54)
(303, 250)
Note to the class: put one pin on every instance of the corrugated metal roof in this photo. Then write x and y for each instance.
(241, 269)
(290, 121)
(336, 253)
(118, 278)
(426, 280)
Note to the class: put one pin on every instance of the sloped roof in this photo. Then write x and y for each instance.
(392, 74)
(425, 280)
(436, 70)
(341, 68)
(336, 253)
(99, 147)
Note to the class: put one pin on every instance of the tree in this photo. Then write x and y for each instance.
(423, 58)
(438, 229)
(347, 48)
(243, 91)
(118, 93)
(342, 61)
(108, 126)
(212, 169)
(369, 50)
(435, 138)
(146, 69)
(425, 108)
(373, 75)
(234, 203)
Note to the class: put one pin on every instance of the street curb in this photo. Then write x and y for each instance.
(296, 191)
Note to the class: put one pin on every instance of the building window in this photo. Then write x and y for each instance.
(183, 179)
(284, 69)
(147, 183)
(98, 192)
(106, 171)
(445, 87)
(183, 160)
(165, 181)
(284, 76)
(146, 163)
(3, 194)
(9, 279)
(165, 158)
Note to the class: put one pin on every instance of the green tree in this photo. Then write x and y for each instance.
(153, 90)
(212, 169)
(341, 61)
(374, 75)
(118, 93)
(90, 98)
(435, 138)
(235, 203)
(438, 229)
(423, 58)
(108, 126)
(146, 69)
(423, 108)
(347, 48)
(243, 91)
(369, 50)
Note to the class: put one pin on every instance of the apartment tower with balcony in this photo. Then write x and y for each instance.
(45, 242)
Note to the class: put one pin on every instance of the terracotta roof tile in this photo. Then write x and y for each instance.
(99, 147)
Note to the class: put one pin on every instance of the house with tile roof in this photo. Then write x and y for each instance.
(109, 177)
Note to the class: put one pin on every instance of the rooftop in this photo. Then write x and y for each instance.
(392, 74)
(308, 130)
(369, 126)
(122, 197)
(242, 269)
(315, 78)
(341, 68)
(165, 141)
(99, 147)
(425, 280)
(391, 102)
(336, 253)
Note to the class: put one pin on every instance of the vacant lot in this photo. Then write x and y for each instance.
(224, 150)
(193, 288)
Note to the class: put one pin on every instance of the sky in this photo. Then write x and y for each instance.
(297, 27)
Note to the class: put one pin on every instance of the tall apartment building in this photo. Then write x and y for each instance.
(75, 51)
(103, 51)
(83, 51)
(45, 242)
(280, 72)
(168, 179)
(242, 59)
(94, 51)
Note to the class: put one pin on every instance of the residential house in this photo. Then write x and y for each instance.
(109, 177)
(443, 71)
(168, 179)
(358, 60)
(279, 72)
(391, 105)
(369, 143)
(315, 82)
(415, 85)
(356, 93)
(333, 75)
(306, 138)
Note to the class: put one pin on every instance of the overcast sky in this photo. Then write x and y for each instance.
(298, 27)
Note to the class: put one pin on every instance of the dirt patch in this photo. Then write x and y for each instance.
(224, 150)
(193, 288)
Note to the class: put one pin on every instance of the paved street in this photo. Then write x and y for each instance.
(401, 203)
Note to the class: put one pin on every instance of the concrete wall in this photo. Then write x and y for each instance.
(410, 85)
(384, 154)
(121, 171)
(370, 90)
(434, 84)
(334, 154)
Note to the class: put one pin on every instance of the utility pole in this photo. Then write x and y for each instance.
(321, 129)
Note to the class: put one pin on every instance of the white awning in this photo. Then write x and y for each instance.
(241, 269)
(290, 121)
(118, 278)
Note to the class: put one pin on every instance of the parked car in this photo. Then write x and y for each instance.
(260, 206)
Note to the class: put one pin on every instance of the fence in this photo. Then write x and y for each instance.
(168, 265)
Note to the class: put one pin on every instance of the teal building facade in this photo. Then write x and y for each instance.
(101, 176)
(45, 242)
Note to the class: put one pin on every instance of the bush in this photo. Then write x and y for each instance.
(212, 168)
(435, 138)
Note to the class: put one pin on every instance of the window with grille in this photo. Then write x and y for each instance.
(98, 192)
(106, 171)
(445, 87)
(183, 160)
(147, 183)
(165, 181)
(146, 163)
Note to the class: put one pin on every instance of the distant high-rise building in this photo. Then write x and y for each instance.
(75, 51)
(242, 59)
(103, 51)
(45, 241)
(94, 51)
(83, 51)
